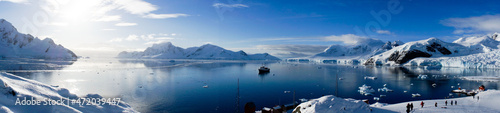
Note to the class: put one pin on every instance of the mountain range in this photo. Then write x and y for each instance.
(167, 50)
(18, 45)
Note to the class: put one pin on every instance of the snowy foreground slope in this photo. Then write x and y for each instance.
(13, 87)
(17, 45)
(208, 51)
(488, 103)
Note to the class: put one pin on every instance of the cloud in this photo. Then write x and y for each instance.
(108, 29)
(132, 38)
(135, 6)
(116, 40)
(163, 16)
(105, 18)
(477, 24)
(152, 38)
(125, 24)
(304, 49)
(156, 42)
(16, 1)
(222, 5)
(348, 39)
(290, 54)
(387, 32)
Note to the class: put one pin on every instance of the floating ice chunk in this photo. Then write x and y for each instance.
(376, 98)
(459, 91)
(385, 89)
(383, 95)
(205, 86)
(369, 77)
(286, 91)
(411, 84)
(415, 95)
(434, 85)
(452, 86)
(422, 77)
(366, 90)
(405, 91)
(303, 100)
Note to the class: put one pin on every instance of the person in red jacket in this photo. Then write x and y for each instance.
(422, 103)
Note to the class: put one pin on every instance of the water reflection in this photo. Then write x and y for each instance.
(177, 85)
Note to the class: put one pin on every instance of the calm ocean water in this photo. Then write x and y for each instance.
(177, 86)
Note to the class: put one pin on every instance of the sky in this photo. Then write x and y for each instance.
(284, 28)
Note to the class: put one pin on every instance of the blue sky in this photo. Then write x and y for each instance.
(280, 27)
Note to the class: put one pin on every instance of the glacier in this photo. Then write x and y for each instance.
(465, 52)
(17, 45)
(351, 54)
(167, 50)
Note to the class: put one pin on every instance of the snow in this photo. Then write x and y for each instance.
(13, 88)
(351, 54)
(17, 45)
(482, 78)
(366, 90)
(332, 104)
(466, 52)
(488, 103)
(167, 50)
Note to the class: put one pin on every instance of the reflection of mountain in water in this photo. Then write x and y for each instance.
(33, 64)
(169, 64)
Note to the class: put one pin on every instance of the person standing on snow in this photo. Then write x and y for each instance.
(422, 103)
(455, 102)
(436, 104)
(411, 106)
(451, 102)
(446, 103)
(408, 108)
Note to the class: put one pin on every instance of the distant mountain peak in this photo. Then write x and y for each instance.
(206, 51)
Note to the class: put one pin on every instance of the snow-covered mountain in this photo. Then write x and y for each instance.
(431, 48)
(208, 51)
(352, 54)
(17, 45)
(360, 50)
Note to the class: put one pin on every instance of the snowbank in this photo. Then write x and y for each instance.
(488, 103)
(332, 104)
(14, 89)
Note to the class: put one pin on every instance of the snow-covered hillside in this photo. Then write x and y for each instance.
(208, 51)
(332, 104)
(17, 45)
(352, 54)
(463, 52)
(14, 88)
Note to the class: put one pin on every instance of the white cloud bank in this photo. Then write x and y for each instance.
(387, 32)
(15, 1)
(125, 24)
(163, 16)
(223, 5)
(477, 24)
(151, 38)
(348, 39)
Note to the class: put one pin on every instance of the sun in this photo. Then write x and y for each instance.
(75, 12)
